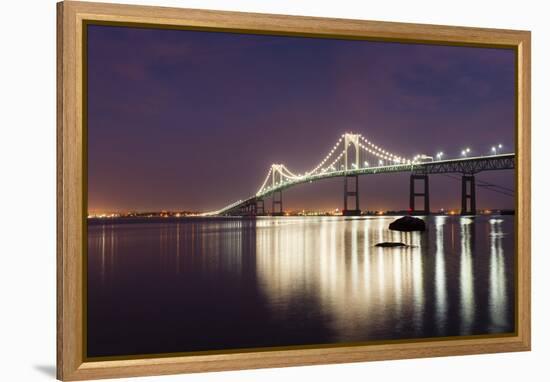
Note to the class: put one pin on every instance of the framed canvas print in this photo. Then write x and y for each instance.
(245, 190)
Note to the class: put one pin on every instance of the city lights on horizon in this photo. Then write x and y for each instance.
(291, 212)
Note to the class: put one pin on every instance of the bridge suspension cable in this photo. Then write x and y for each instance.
(266, 180)
(371, 148)
(327, 157)
(288, 174)
(488, 186)
(279, 173)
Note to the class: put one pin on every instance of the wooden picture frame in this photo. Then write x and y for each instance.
(71, 212)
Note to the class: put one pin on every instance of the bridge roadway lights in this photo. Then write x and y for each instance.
(468, 195)
(425, 194)
(353, 192)
(277, 200)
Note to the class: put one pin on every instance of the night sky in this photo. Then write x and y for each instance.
(192, 120)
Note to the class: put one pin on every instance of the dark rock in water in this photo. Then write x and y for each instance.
(407, 224)
(390, 244)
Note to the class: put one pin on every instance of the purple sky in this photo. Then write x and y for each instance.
(188, 120)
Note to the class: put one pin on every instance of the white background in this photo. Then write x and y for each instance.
(27, 188)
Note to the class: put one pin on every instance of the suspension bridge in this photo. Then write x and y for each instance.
(354, 155)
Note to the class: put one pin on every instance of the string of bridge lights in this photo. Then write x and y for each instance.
(381, 153)
(376, 150)
(327, 156)
(331, 166)
(262, 187)
(289, 173)
(285, 175)
(222, 209)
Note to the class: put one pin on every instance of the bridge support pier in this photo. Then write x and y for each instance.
(260, 207)
(277, 200)
(248, 210)
(468, 195)
(425, 194)
(353, 191)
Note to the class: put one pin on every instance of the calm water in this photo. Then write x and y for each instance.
(206, 284)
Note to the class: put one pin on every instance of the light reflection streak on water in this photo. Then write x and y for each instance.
(102, 243)
(354, 256)
(112, 257)
(418, 281)
(107, 243)
(178, 260)
(497, 275)
(398, 281)
(467, 299)
(440, 275)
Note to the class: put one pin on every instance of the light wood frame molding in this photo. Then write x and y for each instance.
(71, 186)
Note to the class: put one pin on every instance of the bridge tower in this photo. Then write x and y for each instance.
(351, 182)
(468, 194)
(351, 140)
(424, 194)
(351, 189)
(277, 196)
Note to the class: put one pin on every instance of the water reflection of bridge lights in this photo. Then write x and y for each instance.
(380, 279)
(440, 274)
(497, 277)
(332, 265)
(467, 298)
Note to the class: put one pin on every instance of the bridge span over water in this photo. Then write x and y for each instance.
(353, 156)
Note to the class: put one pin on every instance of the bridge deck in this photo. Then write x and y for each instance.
(471, 165)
